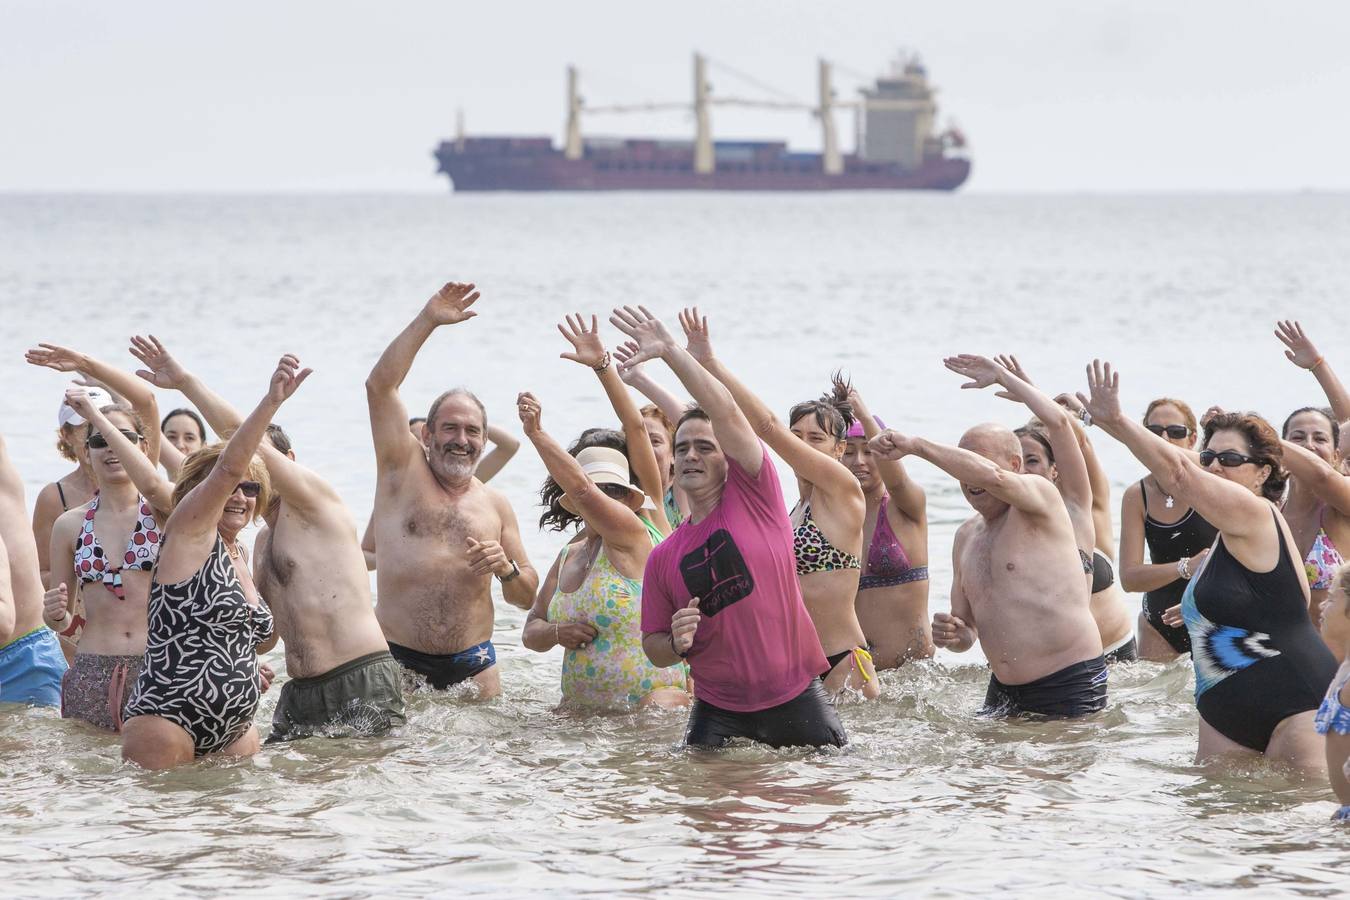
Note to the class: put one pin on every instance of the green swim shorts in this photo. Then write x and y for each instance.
(361, 697)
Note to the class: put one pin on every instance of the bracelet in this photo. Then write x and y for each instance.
(676, 651)
(1184, 568)
(603, 364)
(1319, 361)
(557, 638)
(1086, 418)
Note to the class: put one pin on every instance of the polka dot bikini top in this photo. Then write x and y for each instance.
(92, 564)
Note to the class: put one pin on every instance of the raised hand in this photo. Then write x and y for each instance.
(891, 444)
(62, 359)
(1209, 414)
(629, 371)
(1009, 362)
(683, 626)
(529, 410)
(698, 340)
(286, 379)
(981, 370)
(450, 305)
(952, 632)
(587, 347)
(652, 338)
(161, 369)
(1102, 400)
(1301, 351)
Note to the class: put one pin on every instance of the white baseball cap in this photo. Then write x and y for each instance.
(67, 416)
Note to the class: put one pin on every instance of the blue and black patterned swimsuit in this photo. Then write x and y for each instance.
(201, 666)
(1258, 659)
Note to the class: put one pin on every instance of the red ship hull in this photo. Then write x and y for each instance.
(533, 164)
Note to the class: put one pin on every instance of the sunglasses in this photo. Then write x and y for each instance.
(97, 441)
(249, 488)
(1229, 459)
(1175, 432)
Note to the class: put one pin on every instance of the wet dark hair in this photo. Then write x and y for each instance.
(279, 438)
(191, 414)
(1264, 446)
(555, 517)
(692, 411)
(1323, 411)
(1039, 437)
(833, 412)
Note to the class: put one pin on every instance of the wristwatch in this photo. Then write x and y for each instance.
(515, 571)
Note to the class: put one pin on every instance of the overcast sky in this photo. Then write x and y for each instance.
(304, 95)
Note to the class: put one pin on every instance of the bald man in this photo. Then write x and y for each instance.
(1018, 585)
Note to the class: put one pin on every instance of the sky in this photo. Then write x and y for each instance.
(1060, 95)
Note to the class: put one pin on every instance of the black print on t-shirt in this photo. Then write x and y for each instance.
(716, 573)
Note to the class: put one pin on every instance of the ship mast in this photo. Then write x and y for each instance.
(830, 160)
(572, 147)
(703, 144)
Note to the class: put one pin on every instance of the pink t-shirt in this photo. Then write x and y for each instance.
(756, 646)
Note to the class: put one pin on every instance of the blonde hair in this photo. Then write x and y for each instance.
(200, 464)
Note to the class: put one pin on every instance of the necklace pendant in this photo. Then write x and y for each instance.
(1170, 502)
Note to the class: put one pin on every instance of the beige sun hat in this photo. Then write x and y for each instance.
(604, 465)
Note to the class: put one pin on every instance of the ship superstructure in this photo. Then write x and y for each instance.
(896, 146)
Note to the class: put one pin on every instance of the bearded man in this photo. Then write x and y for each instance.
(442, 535)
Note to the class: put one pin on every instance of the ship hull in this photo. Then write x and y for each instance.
(552, 171)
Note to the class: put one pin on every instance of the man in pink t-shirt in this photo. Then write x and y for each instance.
(722, 590)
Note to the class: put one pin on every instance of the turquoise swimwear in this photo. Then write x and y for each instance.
(31, 669)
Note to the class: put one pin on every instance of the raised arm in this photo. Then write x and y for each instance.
(1311, 470)
(905, 493)
(153, 486)
(588, 350)
(137, 394)
(303, 490)
(193, 521)
(394, 444)
(612, 519)
(823, 471)
(636, 376)
(1230, 507)
(1073, 473)
(1030, 494)
(504, 446)
(733, 431)
(1303, 354)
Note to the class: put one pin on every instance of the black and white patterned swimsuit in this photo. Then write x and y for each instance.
(201, 665)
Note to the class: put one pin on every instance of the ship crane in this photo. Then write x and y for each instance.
(704, 161)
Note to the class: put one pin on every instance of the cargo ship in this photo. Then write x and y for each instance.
(896, 147)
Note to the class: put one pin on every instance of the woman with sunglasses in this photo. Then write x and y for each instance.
(1260, 667)
(1177, 536)
(77, 488)
(199, 684)
(1318, 503)
(102, 555)
(590, 603)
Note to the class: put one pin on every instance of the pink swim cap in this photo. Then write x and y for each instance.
(856, 430)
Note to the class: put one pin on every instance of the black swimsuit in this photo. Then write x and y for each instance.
(1258, 659)
(1168, 544)
(201, 666)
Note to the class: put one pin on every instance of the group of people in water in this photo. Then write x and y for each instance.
(685, 580)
